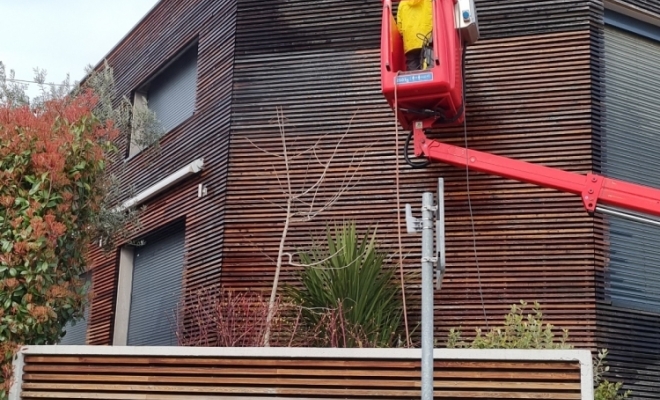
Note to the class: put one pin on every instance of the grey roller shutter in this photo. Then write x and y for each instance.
(157, 280)
(630, 149)
(76, 334)
(171, 95)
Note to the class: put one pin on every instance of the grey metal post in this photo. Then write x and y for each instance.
(440, 235)
(427, 296)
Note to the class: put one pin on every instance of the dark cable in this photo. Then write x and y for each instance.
(413, 164)
(38, 83)
(469, 199)
(440, 120)
(427, 43)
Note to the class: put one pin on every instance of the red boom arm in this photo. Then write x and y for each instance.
(593, 189)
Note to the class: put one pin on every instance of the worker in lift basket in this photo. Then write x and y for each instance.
(414, 18)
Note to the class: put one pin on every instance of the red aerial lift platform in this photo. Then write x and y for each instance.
(434, 97)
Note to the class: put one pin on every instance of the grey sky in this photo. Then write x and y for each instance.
(63, 36)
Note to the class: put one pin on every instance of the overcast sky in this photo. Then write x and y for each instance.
(63, 36)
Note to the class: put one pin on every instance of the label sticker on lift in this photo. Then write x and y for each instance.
(414, 78)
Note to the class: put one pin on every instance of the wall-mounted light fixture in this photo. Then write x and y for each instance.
(162, 185)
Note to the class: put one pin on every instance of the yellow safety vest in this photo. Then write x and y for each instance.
(414, 17)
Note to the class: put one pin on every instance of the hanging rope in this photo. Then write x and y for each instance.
(398, 210)
(467, 187)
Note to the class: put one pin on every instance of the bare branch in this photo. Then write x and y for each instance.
(347, 184)
(329, 162)
(270, 153)
(273, 204)
(279, 181)
(317, 264)
(284, 148)
(307, 150)
(261, 251)
(312, 147)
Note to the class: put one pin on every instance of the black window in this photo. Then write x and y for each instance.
(170, 94)
(630, 143)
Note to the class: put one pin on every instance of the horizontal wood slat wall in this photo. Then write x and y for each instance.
(529, 97)
(307, 374)
(524, 17)
(533, 93)
(516, 110)
(644, 6)
(169, 27)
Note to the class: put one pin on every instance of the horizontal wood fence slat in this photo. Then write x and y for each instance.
(86, 372)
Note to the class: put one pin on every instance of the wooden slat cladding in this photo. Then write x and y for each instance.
(171, 25)
(529, 97)
(310, 25)
(533, 93)
(532, 243)
(336, 24)
(524, 17)
(321, 78)
(306, 374)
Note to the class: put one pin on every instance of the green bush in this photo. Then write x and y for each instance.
(347, 297)
(52, 160)
(529, 331)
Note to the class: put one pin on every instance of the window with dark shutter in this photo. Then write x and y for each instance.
(156, 291)
(630, 142)
(171, 94)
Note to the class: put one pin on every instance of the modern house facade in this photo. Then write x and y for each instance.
(568, 84)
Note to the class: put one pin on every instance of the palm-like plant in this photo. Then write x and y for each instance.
(345, 283)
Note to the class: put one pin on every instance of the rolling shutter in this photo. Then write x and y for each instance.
(77, 334)
(157, 280)
(171, 95)
(630, 145)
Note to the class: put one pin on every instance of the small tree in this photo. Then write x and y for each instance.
(529, 331)
(302, 202)
(347, 296)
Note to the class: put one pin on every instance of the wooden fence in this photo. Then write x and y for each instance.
(177, 373)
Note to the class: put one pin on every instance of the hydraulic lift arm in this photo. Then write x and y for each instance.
(418, 97)
(597, 192)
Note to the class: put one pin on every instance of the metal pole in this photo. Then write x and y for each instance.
(440, 235)
(427, 296)
(628, 215)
